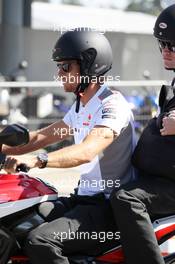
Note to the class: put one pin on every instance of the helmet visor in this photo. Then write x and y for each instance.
(170, 45)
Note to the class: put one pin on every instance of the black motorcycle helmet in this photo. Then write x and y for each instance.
(164, 28)
(90, 48)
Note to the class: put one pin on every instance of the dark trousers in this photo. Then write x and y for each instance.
(7, 245)
(76, 225)
(133, 206)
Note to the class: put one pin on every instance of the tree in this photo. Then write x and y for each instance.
(146, 6)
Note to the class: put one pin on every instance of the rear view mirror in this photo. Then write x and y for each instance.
(14, 135)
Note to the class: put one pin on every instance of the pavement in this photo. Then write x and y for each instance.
(65, 180)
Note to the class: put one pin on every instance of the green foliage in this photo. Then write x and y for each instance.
(71, 2)
(152, 7)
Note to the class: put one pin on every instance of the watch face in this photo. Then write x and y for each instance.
(43, 156)
(43, 159)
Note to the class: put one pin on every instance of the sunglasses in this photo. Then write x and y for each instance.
(65, 66)
(167, 44)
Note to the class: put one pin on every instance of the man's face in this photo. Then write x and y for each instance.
(168, 59)
(168, 54)
(69, 74)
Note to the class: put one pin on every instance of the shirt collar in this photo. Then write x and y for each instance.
(100, 90)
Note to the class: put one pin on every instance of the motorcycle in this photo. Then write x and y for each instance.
(20, 195)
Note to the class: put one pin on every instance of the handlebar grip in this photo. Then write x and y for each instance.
(2, 160)
(22, 167)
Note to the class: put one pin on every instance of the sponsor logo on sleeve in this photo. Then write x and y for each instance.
(109, 116)
(109, 112)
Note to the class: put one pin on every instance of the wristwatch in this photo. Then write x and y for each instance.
(43, 159)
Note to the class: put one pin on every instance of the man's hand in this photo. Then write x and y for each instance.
(12, 162)
(168, 124)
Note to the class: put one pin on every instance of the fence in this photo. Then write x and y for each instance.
(142, 96)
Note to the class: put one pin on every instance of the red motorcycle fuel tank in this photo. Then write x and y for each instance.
(14, 187)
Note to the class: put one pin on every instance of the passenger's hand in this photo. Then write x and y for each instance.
(168, 124)
(12, 162)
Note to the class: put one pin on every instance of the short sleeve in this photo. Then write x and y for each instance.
(69, 116)
(114, 113)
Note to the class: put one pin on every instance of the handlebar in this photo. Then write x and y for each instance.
(22, 167)
(14, 135)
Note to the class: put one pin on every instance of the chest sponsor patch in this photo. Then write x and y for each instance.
(86, 124)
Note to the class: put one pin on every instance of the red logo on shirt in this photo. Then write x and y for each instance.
(89, 117)
(87, 123)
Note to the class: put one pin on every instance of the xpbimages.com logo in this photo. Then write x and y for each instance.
(100, 184)
(63, 29)
(101, 236)
(101, 29)
(62, 132)
(85, 79)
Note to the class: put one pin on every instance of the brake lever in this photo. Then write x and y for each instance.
(22, 167)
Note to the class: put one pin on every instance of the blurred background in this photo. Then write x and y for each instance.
(29, 92)
(29, 29)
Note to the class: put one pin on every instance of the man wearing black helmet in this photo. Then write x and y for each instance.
(102, 125)
(153, 194)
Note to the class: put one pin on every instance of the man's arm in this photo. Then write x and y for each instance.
(98, 139)
(40, 139)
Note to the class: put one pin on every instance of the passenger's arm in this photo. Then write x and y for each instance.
(168, 124)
